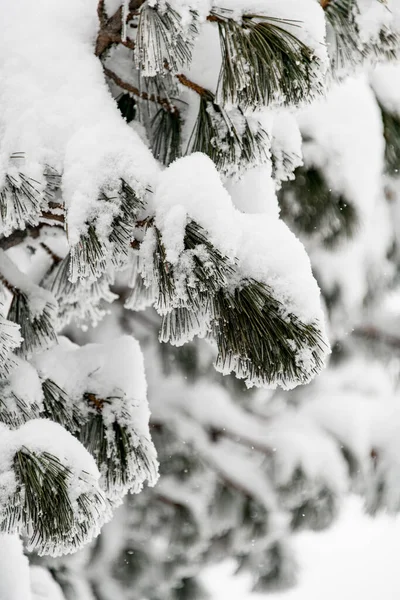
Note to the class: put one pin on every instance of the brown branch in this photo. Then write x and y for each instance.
(102, 13)
(20, 235)
(53, 217)
(192, 85)
(242, 439)
(369, 332)
(110, 29)
(136, 92)
(55, 258)
(325, 3)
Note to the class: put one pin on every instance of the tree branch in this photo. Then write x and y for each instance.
(18, 236)
(136, 92)
(111, 28)
(370, 332)
(192, 85)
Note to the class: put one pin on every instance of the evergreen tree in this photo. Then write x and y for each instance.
(157, 161)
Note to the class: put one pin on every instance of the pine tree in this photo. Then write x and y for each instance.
(164, 167)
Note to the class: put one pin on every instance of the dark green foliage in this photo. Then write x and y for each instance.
(9, 340)
(59, 408)
(255, 336)
(23, 198)
(311, 207)
(124, 459)
(127, 106)
(166, 127)
(391, 132)
(210, 269)
(189, 588)
(112, 457)
(258, 341)
(275, 569)
(317, 512)
(88, 257)
(37, 330)
(313, 505)
(227, 137)
(124, 223)
(162, 44)
(262, 62)
(41, 506)
(346, 47)
(80, 300)
(14, 411)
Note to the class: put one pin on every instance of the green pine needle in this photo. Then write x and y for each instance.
(37, 331)
(165, 136)
(59, 408)
(162, 43)
(311, 207)
(262, 344)
(42, 509)
(124, 459)
(227, 138)
(263, 62)
(391, 132)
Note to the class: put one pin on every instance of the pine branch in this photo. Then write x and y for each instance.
(124, 458)
(310, 206)
(201, 91)
(163, 42)
(41, 507)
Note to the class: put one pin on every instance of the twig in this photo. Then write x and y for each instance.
(17, 237)
(136, 92)
(372, 333)
(192, 85)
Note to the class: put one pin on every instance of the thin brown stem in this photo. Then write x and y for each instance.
(140, 94)
(192, 85)
(19, 236)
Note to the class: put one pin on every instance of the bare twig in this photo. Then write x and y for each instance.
(136, 92)
(17, 237)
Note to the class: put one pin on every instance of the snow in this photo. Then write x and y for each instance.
(43, 585)
(107, 370)
(264, 247)
(55, 105)
(38, 298)
(112, 373)
(356, 558)
(373, 17)
(255, 191)
(14, 570)
(10, 338)
(345, 141)
(385, 81)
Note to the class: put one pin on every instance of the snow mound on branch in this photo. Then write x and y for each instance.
(264, 247)
(55, 107)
